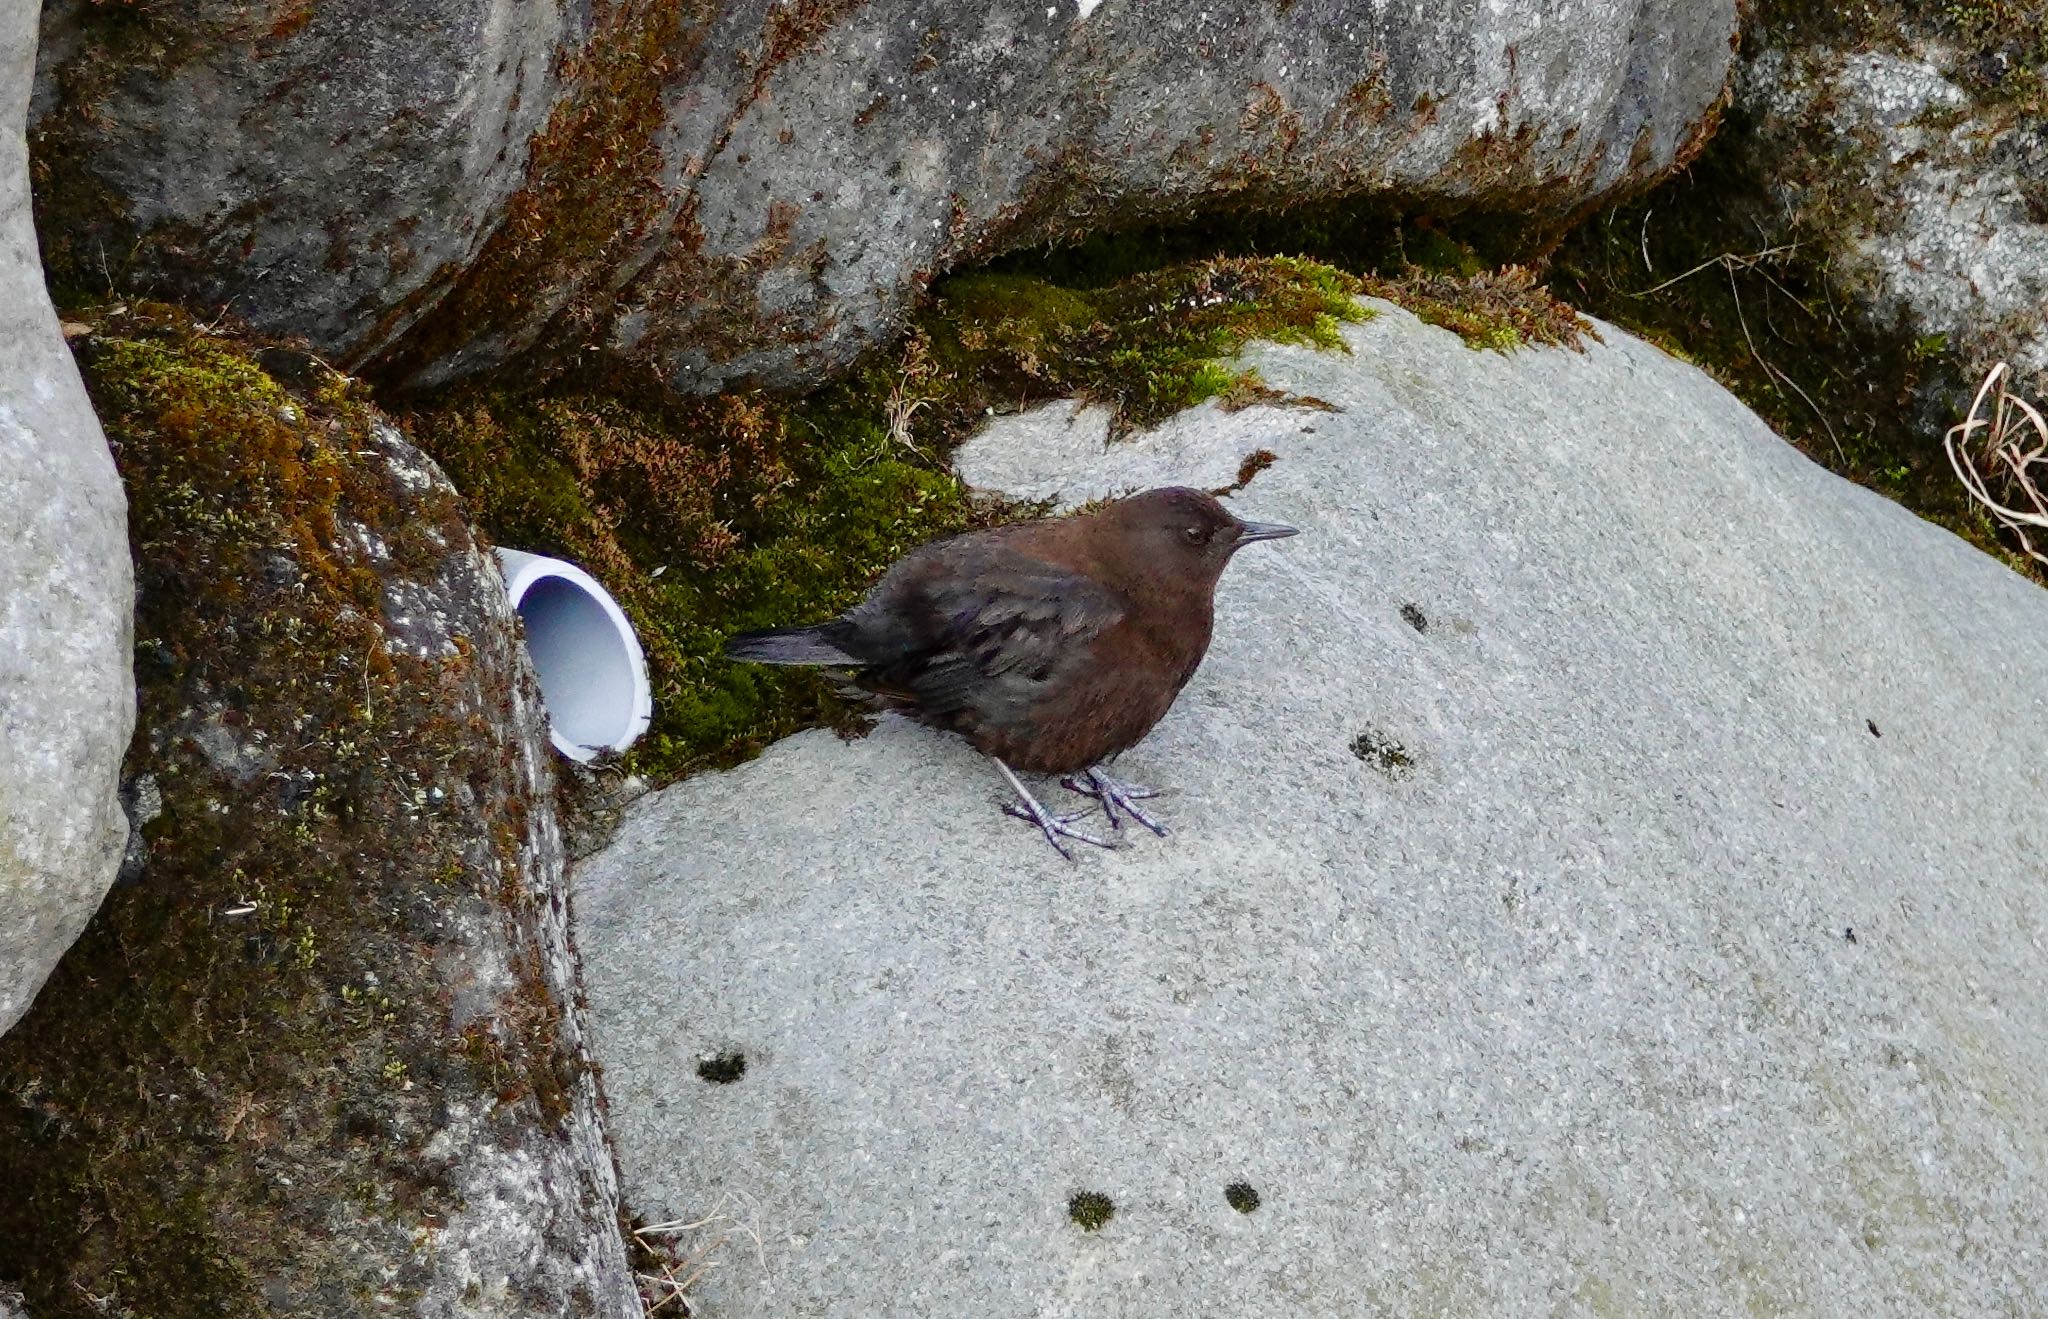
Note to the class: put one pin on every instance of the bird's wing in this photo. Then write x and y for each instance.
(979, 630)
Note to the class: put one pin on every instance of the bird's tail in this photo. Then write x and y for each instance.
(788, 645)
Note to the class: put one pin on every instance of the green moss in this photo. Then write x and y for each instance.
(218, 1099)
(1442, 275)
(711, 516)
(1147, 345)
(704, 518)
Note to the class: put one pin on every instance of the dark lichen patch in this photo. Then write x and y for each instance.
(1383, 753)
(1090, 1210)
(711, 516)
(218, 1105)
(723, 1067)
(1241, 1196)
(1412, 615)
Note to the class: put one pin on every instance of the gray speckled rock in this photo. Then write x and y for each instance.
(756, 190)
(312, 167)
(1607, 878)
(1952, 212)
(67, 691)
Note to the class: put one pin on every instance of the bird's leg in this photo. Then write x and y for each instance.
(1053, 826)
(1115, 795)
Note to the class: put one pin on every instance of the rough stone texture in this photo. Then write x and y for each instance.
(67, 691)
(308, 166)
(1608, 877)
(1948, 229)
(533, 1225)
(322, 1055)
(755, 190)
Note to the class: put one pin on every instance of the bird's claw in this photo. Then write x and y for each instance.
(1056, 827)
(1115, 795)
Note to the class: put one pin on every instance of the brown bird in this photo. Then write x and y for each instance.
(1051, 645)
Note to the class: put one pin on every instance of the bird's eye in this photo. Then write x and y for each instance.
(1194, 535)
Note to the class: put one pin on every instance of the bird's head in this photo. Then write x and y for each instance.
(1185, 531)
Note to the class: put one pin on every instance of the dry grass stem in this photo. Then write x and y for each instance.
(665, 1295)
(909, 395)
(1727, 261)
(2006, 451)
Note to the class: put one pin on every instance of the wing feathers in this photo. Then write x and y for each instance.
(976, 632)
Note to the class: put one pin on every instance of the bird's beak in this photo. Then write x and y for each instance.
(1247, 532)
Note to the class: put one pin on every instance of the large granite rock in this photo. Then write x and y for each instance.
(322, 1054)
(756, 190)
(313, 166)
(67, 691)
(1607, 875)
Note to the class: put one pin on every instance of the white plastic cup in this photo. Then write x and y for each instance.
(593, 676)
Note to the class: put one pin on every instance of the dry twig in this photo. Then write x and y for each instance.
(1777, 375)
(2006, 449)
(1729, 261)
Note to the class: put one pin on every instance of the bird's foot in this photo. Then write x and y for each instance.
(1054, 827)
(1115, 795)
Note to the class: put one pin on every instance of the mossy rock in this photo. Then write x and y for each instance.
(326, 1000)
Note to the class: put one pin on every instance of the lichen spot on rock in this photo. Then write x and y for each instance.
(1090, 1210)
(1383, 753)
(723, 1067)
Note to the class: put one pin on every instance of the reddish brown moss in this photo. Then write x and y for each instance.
(593, 193)
(1499, 309)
